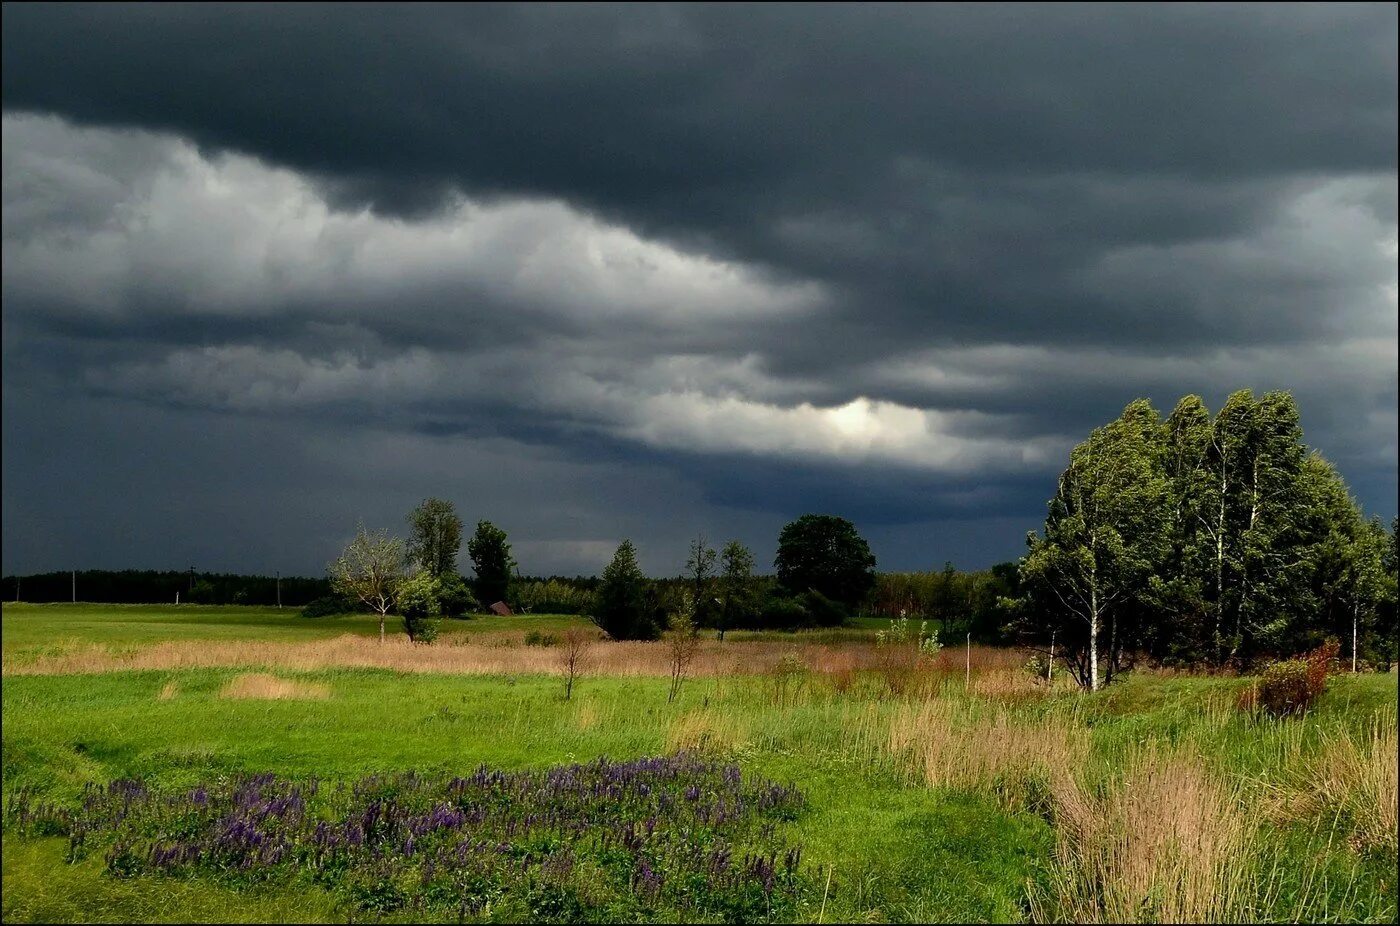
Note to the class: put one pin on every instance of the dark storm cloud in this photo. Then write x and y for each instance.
(888, 259)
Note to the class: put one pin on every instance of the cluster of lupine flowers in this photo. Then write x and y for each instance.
(652, 838)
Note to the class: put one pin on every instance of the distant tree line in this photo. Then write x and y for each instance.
(149, 586)
(824, 571)
(961, 602)
(1200, 540)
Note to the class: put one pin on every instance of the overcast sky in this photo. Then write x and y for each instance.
(599, 272)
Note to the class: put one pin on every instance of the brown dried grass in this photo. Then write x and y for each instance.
(496, 654)
(1161, 846)
(946, 743)
(169, 691)
(260, 686)
(1361, 775)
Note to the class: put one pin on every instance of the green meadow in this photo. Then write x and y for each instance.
(947, 802)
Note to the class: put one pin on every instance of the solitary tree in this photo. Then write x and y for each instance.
(574, 657)
(371, 570)
(621, 609)
(827, 555)
(682, 644)
(491, 558)
(435, 537)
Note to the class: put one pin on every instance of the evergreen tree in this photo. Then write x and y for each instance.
(623, 610)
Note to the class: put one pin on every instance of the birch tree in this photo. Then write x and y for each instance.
(1104, 535)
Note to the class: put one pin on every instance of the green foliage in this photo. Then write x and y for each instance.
(420, 605)
(1200, 540)
(328, 605)
(435, 537)
(821, 610)
(626, 608)
(539, 638)
(492, 560)
(961, 602)
(737, 592)
(826, 554)
(552, 597)
(455, 598)
(782, 613)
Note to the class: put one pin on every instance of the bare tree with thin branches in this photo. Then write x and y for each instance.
(574, 656)
(371, 570)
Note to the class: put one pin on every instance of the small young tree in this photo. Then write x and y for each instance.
(682, 644)
(574, 657)
(491, 557)
(370, 571)
(420, 605)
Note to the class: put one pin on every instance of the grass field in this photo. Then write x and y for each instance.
(1002, 800)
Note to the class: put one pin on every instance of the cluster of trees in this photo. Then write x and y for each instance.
(148, 586)
(418, 578)
(824, 570)
(961, 602)
(1205, 540)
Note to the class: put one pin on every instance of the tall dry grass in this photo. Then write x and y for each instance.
(1166, 844)
(1360, 774)
(948, 742)
(260, 686)
(500, 653)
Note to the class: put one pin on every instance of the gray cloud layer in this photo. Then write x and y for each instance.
(667, 267)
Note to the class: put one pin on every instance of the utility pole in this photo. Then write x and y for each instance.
(17, 581)
(279, 588)
(191, 578)
(74, 576)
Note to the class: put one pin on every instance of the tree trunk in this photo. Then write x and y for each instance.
(1093, 639)
(1050, 667)
(381, 626)
(1354, 607)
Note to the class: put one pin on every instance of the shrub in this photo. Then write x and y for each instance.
(455, 597)
(328, 605)
(536, 638)
(419, 605)
(782, 614)
(821, 610)
(1283, 688)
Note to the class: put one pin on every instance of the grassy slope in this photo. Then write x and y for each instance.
(907, 853)
(898, 853)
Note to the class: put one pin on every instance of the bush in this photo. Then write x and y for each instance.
(419, 605)
(821, 610)
(535, 638)
(1283, 688)
(328, 605)
(455, 598)
(1291, 686)
(782, 614)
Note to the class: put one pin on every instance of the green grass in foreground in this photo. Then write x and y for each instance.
(896, 851)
